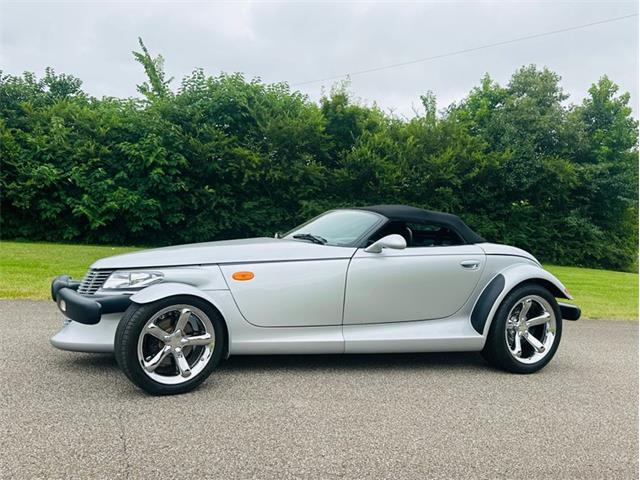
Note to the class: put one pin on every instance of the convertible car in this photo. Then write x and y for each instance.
(386, 278)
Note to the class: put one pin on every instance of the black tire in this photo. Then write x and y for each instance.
(128, 332)
(496, 350)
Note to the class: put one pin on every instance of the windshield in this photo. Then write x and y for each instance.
(338, 227)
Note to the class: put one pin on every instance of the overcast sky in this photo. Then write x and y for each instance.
(302, 41)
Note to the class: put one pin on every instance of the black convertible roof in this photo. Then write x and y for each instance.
(404, 213)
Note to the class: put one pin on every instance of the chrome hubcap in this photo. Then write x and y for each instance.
(176, 344)
(530, 329)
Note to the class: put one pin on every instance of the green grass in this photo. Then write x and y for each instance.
(601, 293)
(26, 271)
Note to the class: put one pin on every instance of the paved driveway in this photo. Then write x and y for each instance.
(66, 415)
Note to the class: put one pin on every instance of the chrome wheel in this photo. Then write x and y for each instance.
(176, 344)
(530, 329)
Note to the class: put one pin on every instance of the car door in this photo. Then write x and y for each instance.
(417, 283)
(301, 293)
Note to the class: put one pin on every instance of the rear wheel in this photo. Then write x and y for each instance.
(169, 346)
(525, 332)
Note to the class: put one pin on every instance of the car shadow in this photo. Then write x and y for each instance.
(102, 361)
(378, 361)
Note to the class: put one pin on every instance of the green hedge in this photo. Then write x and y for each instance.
(223, 157)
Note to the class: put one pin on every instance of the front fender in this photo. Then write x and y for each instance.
(504, 282)
(216, 298)
(168, 289)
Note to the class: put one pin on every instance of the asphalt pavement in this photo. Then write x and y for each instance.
(414, 416)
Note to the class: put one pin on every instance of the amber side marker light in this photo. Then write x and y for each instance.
(243, 276)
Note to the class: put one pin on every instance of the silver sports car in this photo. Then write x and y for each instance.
(385, 278)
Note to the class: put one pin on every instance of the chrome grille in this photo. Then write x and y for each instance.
(93, 280)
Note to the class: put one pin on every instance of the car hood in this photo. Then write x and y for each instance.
(249, 250)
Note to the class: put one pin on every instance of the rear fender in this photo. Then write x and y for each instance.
(512, 277)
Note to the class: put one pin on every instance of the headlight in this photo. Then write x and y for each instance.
(122, 279)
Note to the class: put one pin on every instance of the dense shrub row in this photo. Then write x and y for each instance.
(225, 157)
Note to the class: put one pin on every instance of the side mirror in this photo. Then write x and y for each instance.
(277, 235)
(395, 241)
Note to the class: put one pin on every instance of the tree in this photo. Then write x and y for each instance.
(157, 87)
(227, 157)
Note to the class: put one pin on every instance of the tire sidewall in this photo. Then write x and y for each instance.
(497, 341)
(130, 328)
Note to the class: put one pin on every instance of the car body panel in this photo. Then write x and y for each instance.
(248, 339)
(208, 277)
(249, 250)
(164, 290)
(290, 294)
(496, 249)
(443, 335)
(78, 337)
(411, 284)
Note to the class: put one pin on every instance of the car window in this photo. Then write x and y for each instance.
(338, 227)
(422, 234)
(431, 235)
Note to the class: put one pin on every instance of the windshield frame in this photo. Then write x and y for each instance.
(357, 243)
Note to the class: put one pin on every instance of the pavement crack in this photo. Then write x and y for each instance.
(123, 440)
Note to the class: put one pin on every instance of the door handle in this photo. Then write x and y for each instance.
(470, 264)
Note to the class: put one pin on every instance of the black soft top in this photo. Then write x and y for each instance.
(404, 213)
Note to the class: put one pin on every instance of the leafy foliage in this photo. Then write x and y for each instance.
(225, 157)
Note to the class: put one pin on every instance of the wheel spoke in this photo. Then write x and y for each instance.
(517, 350)
(156, 331)
(204, 339)
(534, 342)
(539, 320)
(181, 362)
(152, 364)
(526, 305)
(185, 314)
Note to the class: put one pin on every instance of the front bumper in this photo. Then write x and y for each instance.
(87, 309)
(78, 337)
(91, 320)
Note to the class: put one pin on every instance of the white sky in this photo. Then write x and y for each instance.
(300, 41)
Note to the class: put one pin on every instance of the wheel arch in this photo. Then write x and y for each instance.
(509, 279)
(172, 289)
(552, 287)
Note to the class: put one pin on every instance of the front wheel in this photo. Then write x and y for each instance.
(525, 331)
(169, 346)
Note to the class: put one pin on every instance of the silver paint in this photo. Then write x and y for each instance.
(307, 298)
